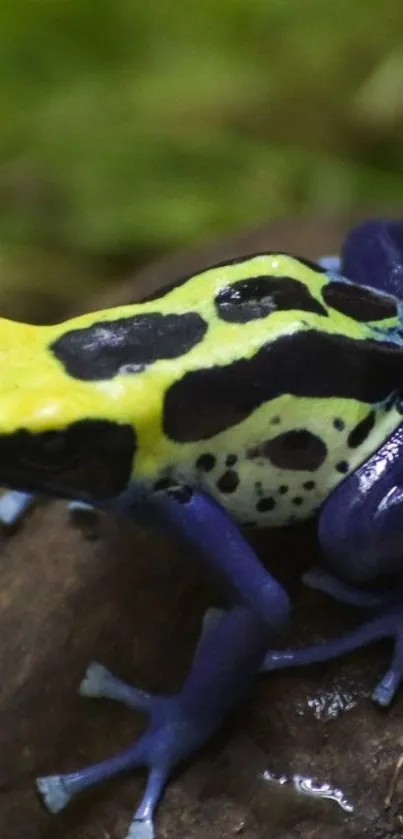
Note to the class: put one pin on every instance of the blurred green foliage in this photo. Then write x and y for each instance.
(132, 127)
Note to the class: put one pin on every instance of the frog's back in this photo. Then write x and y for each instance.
(292, 386)
(265, 381)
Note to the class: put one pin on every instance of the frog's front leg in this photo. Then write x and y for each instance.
(226, 661)
(361, 534)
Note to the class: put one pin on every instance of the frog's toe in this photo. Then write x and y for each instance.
(13, 506)
(141, 829)
(53, 792)
(100, 683)
(385, 691)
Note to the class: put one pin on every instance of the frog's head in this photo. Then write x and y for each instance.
(59, 434)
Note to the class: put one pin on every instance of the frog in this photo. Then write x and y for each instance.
(260, 392)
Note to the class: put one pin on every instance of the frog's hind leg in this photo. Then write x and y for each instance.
(372, 255)
(361, 535)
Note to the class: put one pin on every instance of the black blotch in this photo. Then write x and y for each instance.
(206, 462)
(259, 488)
(228, 482)
(275, 420)
(159, 293)
(399, 406)
(298, 449)
(90, 459)
(308, 364)
(359, 302)
(361, 431)
(127, 345)
(339, 424)
(231, 460)
(309, 485)
(283, 489)
(342, 466)
(265, 505)
(297, 500)
(258, 297)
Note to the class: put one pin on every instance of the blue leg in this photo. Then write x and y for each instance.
(372, 254)
(226, 662)
(361, 534)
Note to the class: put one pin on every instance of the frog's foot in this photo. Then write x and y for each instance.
(178, 724)
(171, 735)
(386, 625)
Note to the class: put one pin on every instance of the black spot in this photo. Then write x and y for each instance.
(259, 488)
(265, 505)
(358, 302)
(231, 460)
(309, 485)
(312, 364)
(361, 431)
(258, 297)
(275, 420)
(342, 466)
(283, 489)
(339, 424)
(206, 462)
(127, 345)
(228, 482)
(297, 500)
(163, 484)
(90, 459)
(293, 450)
(399, 406)
(250, 524)
(158, 293)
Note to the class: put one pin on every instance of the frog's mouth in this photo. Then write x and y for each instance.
(90, 459)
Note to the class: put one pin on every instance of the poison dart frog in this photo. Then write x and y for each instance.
(257, 393)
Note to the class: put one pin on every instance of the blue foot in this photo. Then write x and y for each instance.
(387, 625)
(159, 749)
(226, 660)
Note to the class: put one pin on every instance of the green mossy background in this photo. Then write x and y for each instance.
(130, 128)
